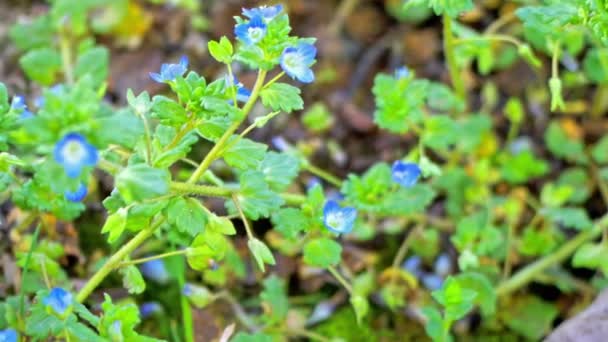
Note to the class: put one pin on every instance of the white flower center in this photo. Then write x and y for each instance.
(73, 152)
(255, 33)
(335, 219)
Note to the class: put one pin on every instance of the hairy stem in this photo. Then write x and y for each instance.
(528, 274)
(448, 49)
(116, 259)
(217, 148)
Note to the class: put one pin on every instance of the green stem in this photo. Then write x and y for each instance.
(154, 257)
(340, 279)
(116, 259)
(215, 151)
(237, 204)
(218, 191)
(528, 274)
(324, 175)
(495, 37)
(276, 78)
(66, 58)
(405, 245)
(448, 50)
(25, 269)
(185, 304)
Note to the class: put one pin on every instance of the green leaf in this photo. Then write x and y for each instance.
(168, 111)
(570, 217)
(399, 102)
(322, 252)
(41, 65)
(289, 222)
(554, 196)
(440, 131)
(255, 197)
(318, 118)
(80, 332)
(521, 167)
(441, 98)
(257, 337)
(279, 169)
(599, 151)
(188, 215)
(4, 105)
(456, 299)
(115, 224)
(434, 323)
(244, 154)
(595, 66)
(261, 253)
(592, 255)
(408, 201)
(121, 128)
(282, 96)
(275, 298)
(530, 317)
(222, 50)
(140, 181)
(451, 7)
(220, 224)
(35, 34)
(40, 324)
(360, 305)
(486, 296)
(132, 279)
(562, 146)
(205, 249)
(93, 62)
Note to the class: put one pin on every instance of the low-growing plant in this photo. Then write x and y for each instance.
(475, 232)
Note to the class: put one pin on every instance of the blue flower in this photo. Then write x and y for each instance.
(148, 309)
(169, 72)
(280, 143)
(74, 153)
(413, 265)
(18, 104)
(402, 72)
(251, 32)
(8, 335)
(406, 174)
(78, 195)
(58, 300)
(242, 93)
(296, 62)
(265, 12)
(155, 270)
(443, 265)
(432, 281)
(337, 219)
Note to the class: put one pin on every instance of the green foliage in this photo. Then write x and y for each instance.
(140, 182)
(322, 252)
(282, 96)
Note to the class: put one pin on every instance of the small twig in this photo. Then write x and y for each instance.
(340, 279)
(406, 244)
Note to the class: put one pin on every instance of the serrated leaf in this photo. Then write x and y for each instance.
(275, 296)
(41, 65)
(255, 197)
(279, 169)
(115, 224)
(289, 222)
(261, 253)
(132, 279)
(188, 215)
(222, 50)
(140, 181)
(282, 96)
(322, 252)
(570, 217)
(244, 154)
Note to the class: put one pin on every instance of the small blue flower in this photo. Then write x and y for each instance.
(8, 335)
(443, 265)
(19, 105)
(58, 300)
(242, 93)
(413, 265)
(296, 62)
(148, 309)
(155, 270)
(74, 153)
(432, 281)
(251, 32)
(402, 72)
(280, 143)
(78, 195)
(169, 72)
(337, 219)
(265, 12)
(406, 174)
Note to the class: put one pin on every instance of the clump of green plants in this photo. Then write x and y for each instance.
(465, 230)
